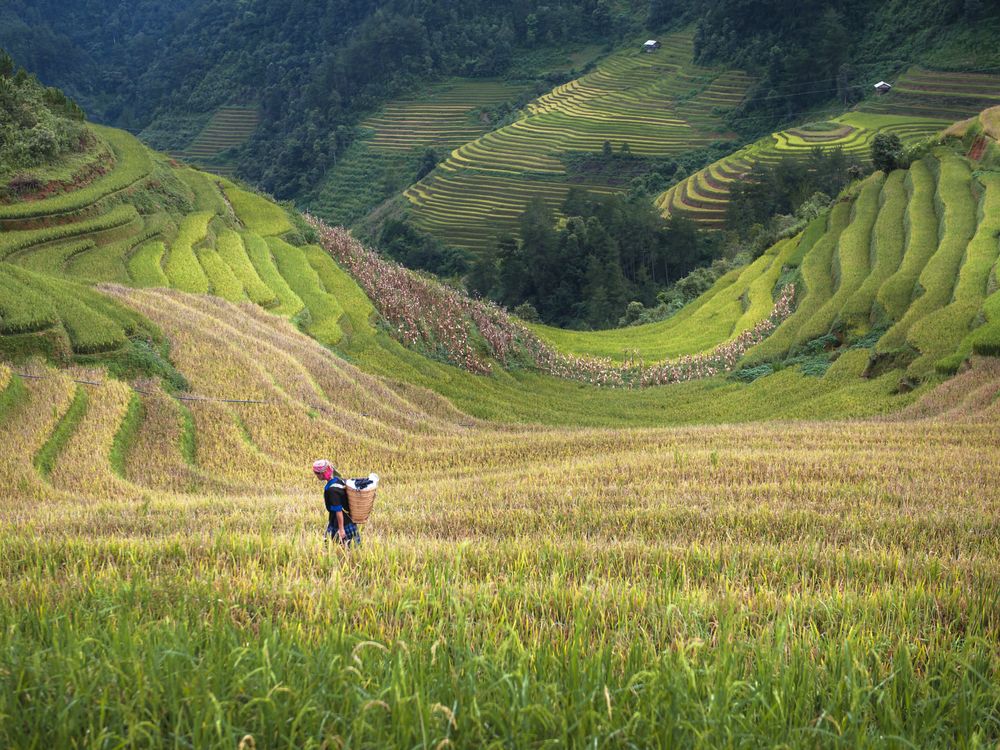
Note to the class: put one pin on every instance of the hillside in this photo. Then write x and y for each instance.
(791, 544)
(912, 307)
(386, 158)
(654, 105)
(905, 265)
(921, 104)
(781, 554)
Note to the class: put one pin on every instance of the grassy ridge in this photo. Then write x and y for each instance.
(938, 277)
(181, 266)
(887, 243)
(851, 261)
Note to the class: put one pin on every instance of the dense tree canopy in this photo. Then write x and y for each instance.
(314, 67)
(583, 271)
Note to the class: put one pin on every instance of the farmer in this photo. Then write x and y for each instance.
(335, 498)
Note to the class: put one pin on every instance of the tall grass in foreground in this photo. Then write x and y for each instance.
(117, 643)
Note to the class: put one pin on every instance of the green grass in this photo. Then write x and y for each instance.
(851, 262)
(22, 308)
(938, 334)
(145, 266)
(106, 262)
(475, 681)
(205, 189)
(814, 289)
(14, 241)
(223, 281)
(132, 164)
(188, 437)
(92, 323)
(501, 396)
(887, 243)
(940, 274)
(46, 458)
(896, 294)
(12, 395)
(126, 435)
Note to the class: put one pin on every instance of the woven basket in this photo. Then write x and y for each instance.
(360, 503)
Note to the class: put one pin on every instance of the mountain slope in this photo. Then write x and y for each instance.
(656, 105)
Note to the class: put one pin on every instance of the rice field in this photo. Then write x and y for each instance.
(442, 116)
(910, 257)
(800, 584)
(921, 104)
(658, 104)
(228, 127)
(704, 196)
(802, 560)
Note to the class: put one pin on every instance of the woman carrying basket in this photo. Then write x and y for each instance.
(341, 527)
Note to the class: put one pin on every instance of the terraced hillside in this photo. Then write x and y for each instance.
(203, 235)
(911, 257)
(441, 116)
(228, 127)
(921, 104)
(738, 568)
(704, 196)
(907, 265)
(444, 116)
(606, 577)
(658, 104)
(951, 95)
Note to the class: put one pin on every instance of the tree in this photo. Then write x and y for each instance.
(526, 312)
(6, 65)
(428, 162)
(606, 149)
(515, 283)
(887, 152)
(484, 277)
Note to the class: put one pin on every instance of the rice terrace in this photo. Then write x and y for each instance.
(647, 356)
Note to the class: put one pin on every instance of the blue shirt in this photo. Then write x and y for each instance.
(335, 497)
